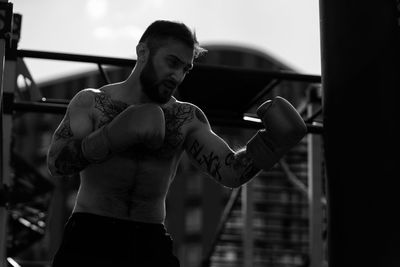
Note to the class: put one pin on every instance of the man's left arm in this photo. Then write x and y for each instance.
(214, 156)
(284, 128)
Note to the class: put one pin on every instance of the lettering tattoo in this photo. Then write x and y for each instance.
(243, 164)
(70, 158)
(240, 162)
(211, 160)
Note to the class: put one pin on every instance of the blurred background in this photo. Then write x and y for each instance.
(257, 50)
(287, 30)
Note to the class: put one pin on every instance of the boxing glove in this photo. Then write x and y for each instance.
(284, 128)
(141, 124)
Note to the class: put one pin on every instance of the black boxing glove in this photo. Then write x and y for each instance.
(284, 128)
(140, 124)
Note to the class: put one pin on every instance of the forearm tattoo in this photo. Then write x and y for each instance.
(211, 161)
(239, 161)
(243, 164)
(69, 159)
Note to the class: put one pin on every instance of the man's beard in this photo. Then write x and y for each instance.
(151, 85)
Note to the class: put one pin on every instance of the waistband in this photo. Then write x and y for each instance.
(105, 221)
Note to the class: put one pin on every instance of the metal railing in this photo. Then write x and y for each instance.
(58, 106)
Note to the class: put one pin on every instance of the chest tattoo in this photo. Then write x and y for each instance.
(108, 108)
(176, 117)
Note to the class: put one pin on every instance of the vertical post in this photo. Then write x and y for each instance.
(360, 52)
(5, 32)
(3, 211)
(315, 186)
(247, 212)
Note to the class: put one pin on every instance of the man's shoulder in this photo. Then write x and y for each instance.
(178, 103)
(183, 107)
(88, 92)
(83, 98)
(190, 111)
(91, 91)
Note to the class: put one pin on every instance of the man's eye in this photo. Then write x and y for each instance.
(173, 63)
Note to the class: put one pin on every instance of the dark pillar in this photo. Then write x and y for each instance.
(360, 77)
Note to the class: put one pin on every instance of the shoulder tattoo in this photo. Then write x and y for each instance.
(65, 129)
(200, 115)
(69, 158)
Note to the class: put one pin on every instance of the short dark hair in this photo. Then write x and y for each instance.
(161, 30)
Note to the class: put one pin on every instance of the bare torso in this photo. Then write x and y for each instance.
(133, 185)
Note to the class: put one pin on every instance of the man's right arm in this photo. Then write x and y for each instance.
(64, 155)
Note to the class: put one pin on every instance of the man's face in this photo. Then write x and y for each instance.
(165, 70)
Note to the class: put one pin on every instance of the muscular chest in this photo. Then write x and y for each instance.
(177, 118)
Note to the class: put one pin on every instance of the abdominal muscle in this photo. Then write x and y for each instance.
(126, 189)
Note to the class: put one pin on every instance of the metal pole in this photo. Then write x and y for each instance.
(280, 75)
(9, 84)
(315, 187)
(5, 33)
(3, 210)
(247, 213)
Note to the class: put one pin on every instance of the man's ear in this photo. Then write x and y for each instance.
(142, 52)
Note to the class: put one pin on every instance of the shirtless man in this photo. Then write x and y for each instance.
(126, 139)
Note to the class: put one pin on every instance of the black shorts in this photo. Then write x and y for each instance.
(93, 240)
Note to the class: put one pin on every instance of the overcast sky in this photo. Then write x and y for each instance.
(285, 29)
